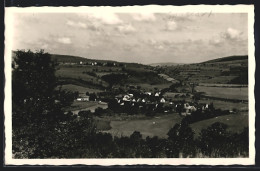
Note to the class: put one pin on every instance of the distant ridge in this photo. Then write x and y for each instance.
(69, 58)
(166, 64)
(229, 58)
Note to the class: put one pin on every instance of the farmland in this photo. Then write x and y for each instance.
(80, 106)
(147, 126)
(80, 89)
(228, 70)
(226, 105)
(236, 123)
(225, 92)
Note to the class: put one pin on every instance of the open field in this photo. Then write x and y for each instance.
(219, 104)
(90, 105)
(225, 92)
(155, 126)
(235, 122)
(149, 87)
(160, 125)
(80, 89)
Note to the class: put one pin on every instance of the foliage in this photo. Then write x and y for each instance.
(113, 79)
(180, 141)
(38, 121)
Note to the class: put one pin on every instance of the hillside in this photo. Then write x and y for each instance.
(227, 70)
(98, 74)
(165, 64)
(74, 59)
(226, 59)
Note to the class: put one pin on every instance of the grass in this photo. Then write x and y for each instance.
(155, 126)
(102, 124)
(90, 105)
(219, 104)
(235, 122)
(80, 89)
(225, 92)
(149, 87)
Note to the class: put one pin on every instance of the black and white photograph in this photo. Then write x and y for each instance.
(130, 85)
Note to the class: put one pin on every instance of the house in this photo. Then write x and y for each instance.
(162, 100)
(126, 98)
(130, 95)
(83, 99)
(148, 93)
(188, 108)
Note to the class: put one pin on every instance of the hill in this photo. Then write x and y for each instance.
(227, 70)
(227, 59)
(74, 59)
(165, 64)
(97, 74)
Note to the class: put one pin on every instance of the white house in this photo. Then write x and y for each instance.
(162, 100)
(83, 99)
(148, 93)
(126, 98)
(130, 95)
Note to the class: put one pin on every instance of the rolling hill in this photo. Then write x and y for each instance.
(227, 70)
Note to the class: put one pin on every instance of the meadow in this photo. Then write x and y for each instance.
(236, 123)
(147, 126)
(80, 89)
(160, 125)
(224, 92)
(226, 105)
(80, 106)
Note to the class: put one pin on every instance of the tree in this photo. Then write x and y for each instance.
(40, 127)
(113, 79)
(180, 141)
(92, 97)
(213, 140)
(33, 87)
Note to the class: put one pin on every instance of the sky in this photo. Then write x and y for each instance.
(134, 37)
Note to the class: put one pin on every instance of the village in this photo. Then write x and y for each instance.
(136, 101)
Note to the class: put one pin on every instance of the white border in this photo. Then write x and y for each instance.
(151, 8)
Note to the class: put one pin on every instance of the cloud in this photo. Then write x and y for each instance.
(64, 40)
(171, 25)
(127, 28)
(232, 34)
(76, 24)
(144, 17)
(106, 17)
(155, 44)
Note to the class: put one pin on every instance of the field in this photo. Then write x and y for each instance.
(227, 70)
(219, 104)
(80, 89)
(91, 105)
(235, 122)
(160, 125)
(225, 92)
(149, 87)
(147, 126)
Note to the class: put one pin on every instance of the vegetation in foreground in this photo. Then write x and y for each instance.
(42, 130)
